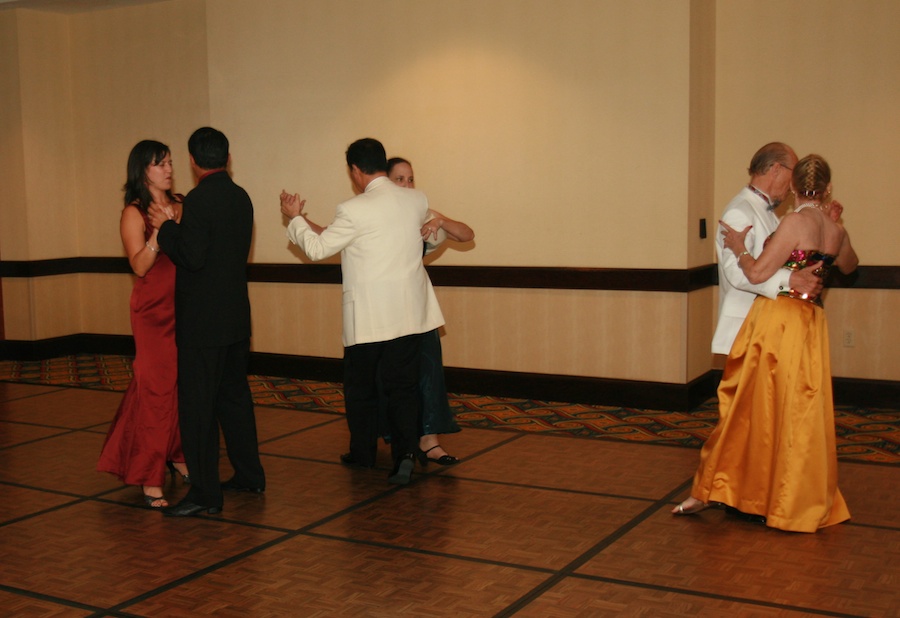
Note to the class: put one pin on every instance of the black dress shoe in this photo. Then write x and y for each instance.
(232, 485)
(402, 472)
(189, 509)
(349, 460)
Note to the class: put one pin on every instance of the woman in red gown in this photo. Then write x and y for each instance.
(144, 438)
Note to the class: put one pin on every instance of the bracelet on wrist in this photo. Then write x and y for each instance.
(742, 254)
(150, 247)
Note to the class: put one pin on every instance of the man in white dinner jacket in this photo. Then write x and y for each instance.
(770, 180)
(388, 301)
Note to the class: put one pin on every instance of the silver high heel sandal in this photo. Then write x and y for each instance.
(696, 507)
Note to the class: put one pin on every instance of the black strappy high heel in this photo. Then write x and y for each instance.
(175, 473)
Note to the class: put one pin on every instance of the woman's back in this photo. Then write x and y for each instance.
(814, 229)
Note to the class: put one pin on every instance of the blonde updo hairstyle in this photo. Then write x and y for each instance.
(812, 178)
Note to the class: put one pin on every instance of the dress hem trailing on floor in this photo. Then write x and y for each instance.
(773, 451)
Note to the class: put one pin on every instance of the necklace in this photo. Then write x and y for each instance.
(807, 205)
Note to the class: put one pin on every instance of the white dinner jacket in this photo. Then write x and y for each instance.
(386, 292)
(736, 293)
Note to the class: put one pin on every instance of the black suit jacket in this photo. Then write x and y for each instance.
(210, 248)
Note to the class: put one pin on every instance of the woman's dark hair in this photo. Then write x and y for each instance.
(396, 161)
(145, 153)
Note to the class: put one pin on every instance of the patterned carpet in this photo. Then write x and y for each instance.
(863, 434)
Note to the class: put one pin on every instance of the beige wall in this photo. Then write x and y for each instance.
(139, 73)
(12, 152)
(46, 227)
(584, 133)
(824, 77)
(870, 319)
(534, 122)
(79, 90)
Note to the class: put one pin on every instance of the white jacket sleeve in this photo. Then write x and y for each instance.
(332, 240)
(770, 288)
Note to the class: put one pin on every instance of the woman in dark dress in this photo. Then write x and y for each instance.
(144, 438)
(437, 418)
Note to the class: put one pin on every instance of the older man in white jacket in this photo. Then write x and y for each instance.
(770, 179)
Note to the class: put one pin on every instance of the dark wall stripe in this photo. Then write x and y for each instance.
(64, 266)
(634, 279)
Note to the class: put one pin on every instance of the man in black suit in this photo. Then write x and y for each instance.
(210, 247)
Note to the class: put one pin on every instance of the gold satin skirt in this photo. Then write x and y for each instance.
(773, 451)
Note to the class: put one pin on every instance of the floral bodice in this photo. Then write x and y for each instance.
(800, 259)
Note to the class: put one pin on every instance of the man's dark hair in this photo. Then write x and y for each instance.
(209, 148)
(368, 155)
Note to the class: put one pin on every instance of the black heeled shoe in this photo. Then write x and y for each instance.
(149, 500)
(402, 472)
(443, 460)
(175, 473)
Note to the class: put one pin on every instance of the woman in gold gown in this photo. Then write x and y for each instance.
(773, 454)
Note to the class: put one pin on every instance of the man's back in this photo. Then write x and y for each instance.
(388, 244)
(212, 304)
(387, 293)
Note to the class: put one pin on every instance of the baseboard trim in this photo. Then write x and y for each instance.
(297, 367)
(580, 389)
(543, 387)
(54, 347)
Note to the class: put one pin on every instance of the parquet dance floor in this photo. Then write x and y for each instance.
(530, 523)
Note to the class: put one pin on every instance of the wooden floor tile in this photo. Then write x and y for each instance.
(516, 525)
(20, 605)
(499, 534)
(12, 390)
(318, 577)
(69, 407)
(871, 493)
(600, 466)
(12, 434)
(102, 554)
(842, 568)
(579, 598)
(66, 463)
(275, 422)
(17, 502)
(325, 442)
(299, 493)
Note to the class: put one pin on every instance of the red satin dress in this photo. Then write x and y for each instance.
(773, 452)
(144, 434)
